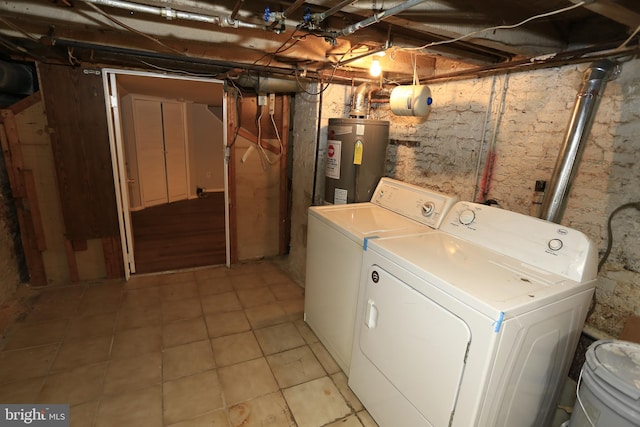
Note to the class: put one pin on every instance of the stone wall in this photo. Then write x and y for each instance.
(492, 138)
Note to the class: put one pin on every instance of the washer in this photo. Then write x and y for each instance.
(335, 239)
(474, 324)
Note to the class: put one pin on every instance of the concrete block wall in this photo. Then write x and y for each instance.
(516, 124)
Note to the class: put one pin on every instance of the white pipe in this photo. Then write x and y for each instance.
(380, 16)
(169, 14)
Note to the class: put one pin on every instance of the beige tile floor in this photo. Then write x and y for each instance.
(211, 347)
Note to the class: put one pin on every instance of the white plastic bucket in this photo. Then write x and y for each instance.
(609, 388)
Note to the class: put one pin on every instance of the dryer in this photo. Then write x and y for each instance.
(474, 324)
(336, 236)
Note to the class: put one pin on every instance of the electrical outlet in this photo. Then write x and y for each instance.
(272, 103)
(262, 99)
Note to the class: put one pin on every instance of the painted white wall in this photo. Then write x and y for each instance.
(523, 118)
(206, 148)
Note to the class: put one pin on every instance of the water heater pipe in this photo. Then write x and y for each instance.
(594, 80)
(363, 91)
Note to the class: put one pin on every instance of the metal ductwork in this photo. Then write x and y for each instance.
(362, 94)
(594, 80)
(268, 84)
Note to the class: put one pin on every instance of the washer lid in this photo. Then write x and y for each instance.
(360, 220)
(618, 364)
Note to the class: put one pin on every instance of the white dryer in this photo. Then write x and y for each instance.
(336, 236)
(471, 325)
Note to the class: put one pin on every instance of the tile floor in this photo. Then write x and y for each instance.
(211, 347)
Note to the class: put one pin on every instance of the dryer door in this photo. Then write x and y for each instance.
(418, 345)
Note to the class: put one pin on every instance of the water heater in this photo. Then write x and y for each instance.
(356, 154)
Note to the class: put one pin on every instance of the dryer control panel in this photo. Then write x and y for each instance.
(420, 204)
(532, 241)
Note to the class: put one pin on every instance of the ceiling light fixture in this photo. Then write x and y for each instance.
(375, 69)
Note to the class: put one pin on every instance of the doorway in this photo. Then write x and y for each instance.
(168, 138)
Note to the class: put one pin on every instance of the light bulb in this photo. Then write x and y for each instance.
(375, 69)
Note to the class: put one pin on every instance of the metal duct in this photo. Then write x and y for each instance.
(359, 108)
(594, 80)
(266, 84)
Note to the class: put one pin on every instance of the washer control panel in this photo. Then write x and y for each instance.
(425, 206)
(541, 244)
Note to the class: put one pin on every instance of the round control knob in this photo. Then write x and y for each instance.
(555, 244)
(428, 208)
(467, 216)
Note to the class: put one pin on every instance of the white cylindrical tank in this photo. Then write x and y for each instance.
(413, 100)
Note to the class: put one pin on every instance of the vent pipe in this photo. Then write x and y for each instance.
(362, 93)
(594, 80)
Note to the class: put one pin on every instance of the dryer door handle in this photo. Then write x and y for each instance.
(371, 315)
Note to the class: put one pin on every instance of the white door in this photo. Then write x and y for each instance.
(149, 142)
(175, 145)
(416, 344)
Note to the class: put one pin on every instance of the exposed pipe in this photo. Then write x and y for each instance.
(319, 17)
(379, 17)
(594, 80)
(169, 14)
(359, 104)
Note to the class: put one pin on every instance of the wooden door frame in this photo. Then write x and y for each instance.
(112, 101)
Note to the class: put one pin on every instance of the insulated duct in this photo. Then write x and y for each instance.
(594, 80)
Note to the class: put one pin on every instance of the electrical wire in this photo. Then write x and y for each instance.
(279, 49)
(610, 232)
(175, 70)
(333, 73)
(498, 27)
(18, 29)
(607, 252)
(624, 43)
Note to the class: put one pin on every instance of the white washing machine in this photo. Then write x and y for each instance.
(471, 325)
(335, 238)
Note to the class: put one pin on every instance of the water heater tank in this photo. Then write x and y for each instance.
(356, 154)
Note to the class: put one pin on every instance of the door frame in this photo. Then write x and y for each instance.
(112, 101)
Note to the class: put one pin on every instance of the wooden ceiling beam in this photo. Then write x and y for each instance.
(614, 11)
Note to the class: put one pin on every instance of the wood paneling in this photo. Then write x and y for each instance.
(75, 108)
(23, 190)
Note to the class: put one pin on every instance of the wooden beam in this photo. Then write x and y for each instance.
(34, 209)
(285, 217)
(614, 11)
(254, 140)
(113, 257)
(74, 274)
(31, 235)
